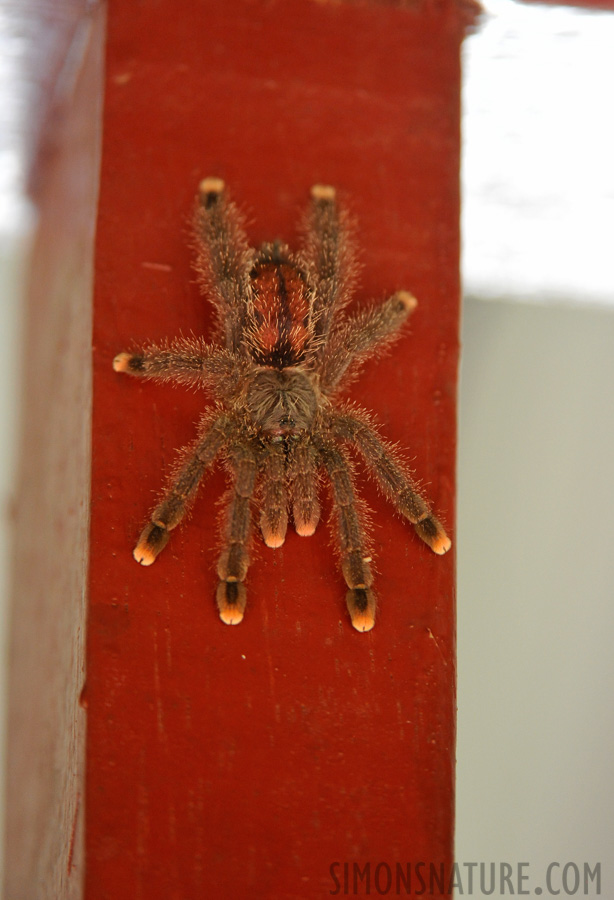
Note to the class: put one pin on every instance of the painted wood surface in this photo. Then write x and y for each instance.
(258, 760)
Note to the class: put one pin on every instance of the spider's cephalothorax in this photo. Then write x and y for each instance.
(283, 347)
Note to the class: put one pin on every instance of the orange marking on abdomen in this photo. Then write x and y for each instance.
(280, 327)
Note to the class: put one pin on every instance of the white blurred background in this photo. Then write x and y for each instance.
(536, 480)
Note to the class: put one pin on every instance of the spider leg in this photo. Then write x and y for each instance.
(355, 339)
(185, 361)
(360, 598)
(329, 255)
(392, 477)
(224, 257)
(274, 513)
(303, 468)
(234, 561)
(181, 491)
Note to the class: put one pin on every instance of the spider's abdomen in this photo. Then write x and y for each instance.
(279, 330)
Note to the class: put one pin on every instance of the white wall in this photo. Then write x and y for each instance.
(536, 479)
(536, 589)
(538, 135)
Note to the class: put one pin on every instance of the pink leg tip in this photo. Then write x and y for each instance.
(121, 363)
(144, 554)
(306, 529)
(274, 533)
(211, 185)
(441, 544)
(363, 621)
(407, 300)
(323, 192)
(231, 599)
(361, 605)
(231, 616)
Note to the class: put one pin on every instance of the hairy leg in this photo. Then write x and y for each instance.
(182, 488)
(356, 337)
(303, 467)
(355, 559)
(234, 560)
(274, 513)
(329, 256)
(224, 257)
(188, 361)
(392, 477)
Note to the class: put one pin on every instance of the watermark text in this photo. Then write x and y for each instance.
(490, 879)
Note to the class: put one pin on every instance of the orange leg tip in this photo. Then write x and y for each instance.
(441, 544)
(407, 300)
(306, 529)
(121, 363)
(274, 541)
(152, 541)
(432, 533)
(305, 525)
(323, 192)
(144, 554)
(274, 536)
(231, 616)
(211, 185)
(361, 606)
(363, 621)
(231, 599)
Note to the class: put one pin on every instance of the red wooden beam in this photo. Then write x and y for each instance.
(246, 761)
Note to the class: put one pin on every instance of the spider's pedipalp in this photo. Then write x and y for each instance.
(355, 338)
(234, 560)
(274, 512)
(303, 478)
(351, 537)
(181, 491)
(391, 476)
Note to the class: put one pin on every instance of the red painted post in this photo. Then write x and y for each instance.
(259, 760)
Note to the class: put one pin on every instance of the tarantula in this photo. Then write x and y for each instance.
(283, 347)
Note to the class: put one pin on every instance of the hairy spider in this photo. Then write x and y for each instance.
(283, 347)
